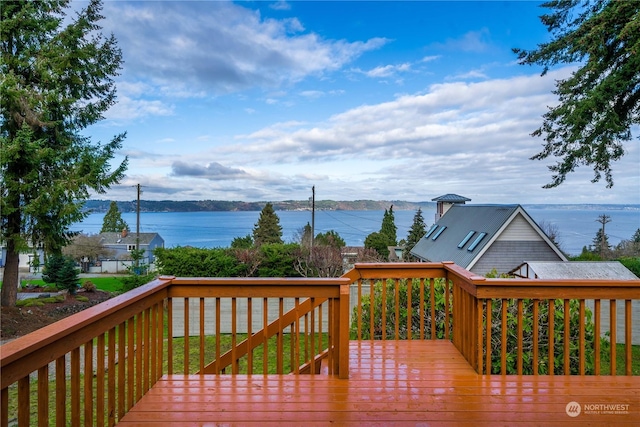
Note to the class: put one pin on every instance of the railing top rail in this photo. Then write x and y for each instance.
(57, 331)
(257, 281)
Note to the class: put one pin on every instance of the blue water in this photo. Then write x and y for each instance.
(577, 226)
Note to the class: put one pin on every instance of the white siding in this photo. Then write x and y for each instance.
(520, 230)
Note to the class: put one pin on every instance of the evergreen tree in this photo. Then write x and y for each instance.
(330, 238)
(601, 244)
(57, 79)
(113, 221)
(379, 242)
(245, 242)
(268, 229)
(600, 101)
(389, 228)
(417, 230)
(61, 271)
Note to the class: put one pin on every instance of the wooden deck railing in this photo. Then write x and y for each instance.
(501, 326)
(92, 367)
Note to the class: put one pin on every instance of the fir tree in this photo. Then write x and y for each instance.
(389, 228)
(599, 102)
(417, 230)
(113, 221)
(57, 80)
(267, 229)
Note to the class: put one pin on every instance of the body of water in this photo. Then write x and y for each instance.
(577, 226)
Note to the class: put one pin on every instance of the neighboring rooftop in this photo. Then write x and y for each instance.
(451, 198)
(595, 270)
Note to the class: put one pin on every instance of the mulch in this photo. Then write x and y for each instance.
(18, 321)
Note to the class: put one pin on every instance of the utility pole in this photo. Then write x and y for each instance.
(138, 227)
(313, 214)
(603, 219)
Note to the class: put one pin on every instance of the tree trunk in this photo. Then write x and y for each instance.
(9, 293)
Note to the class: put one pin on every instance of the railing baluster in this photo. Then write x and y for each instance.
(359, 309)
(111, 377)
(4, 407)
(628, 336)
(250, 335)
(202, 346)
(567, 337)
(596, 334)
(75, 387)
(100, 353)
(423, 323)
(121, 369)
(170, 336)
(612, 336)
(88, 384)
(43, 397)
(234, 330)
(397, 308)
(218, 321)
(432, 287)
(186, 337)
(536, 325)
(503, 345)
(265, 336)
(384, 309)
(488, 345)
(24, 407)
(447, 309)
(131, 375)
(581, 338)
(520, 352)
(551, 349)
(160, 338)
(409, 308)
(372, 297)
(313, 336)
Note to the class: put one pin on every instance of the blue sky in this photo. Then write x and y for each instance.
(365, 100)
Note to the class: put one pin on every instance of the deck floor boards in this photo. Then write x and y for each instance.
(390, 383)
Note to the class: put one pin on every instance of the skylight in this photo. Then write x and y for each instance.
(435, 236)
(466, 239)
(431, 230)
(476, 242)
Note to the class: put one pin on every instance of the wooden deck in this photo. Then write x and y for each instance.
(391, 383)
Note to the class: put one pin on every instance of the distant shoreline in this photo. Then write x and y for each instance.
(98, 206)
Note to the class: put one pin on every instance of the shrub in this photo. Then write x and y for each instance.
(61, 271)
(89, 286)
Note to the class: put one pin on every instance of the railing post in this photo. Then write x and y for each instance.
(343, 335)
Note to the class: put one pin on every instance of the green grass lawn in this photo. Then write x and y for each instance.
(107, 284)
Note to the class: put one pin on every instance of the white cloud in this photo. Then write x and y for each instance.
(130, 109)
(221, 47)
(472, 41)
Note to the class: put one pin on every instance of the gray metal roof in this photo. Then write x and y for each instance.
(451, 198)
(459, 220)
(604, 270)
(129, 239)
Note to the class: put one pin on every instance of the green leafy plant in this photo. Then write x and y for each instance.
(402, 319)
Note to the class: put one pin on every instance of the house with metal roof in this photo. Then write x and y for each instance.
(123, 243)
(481, 238)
